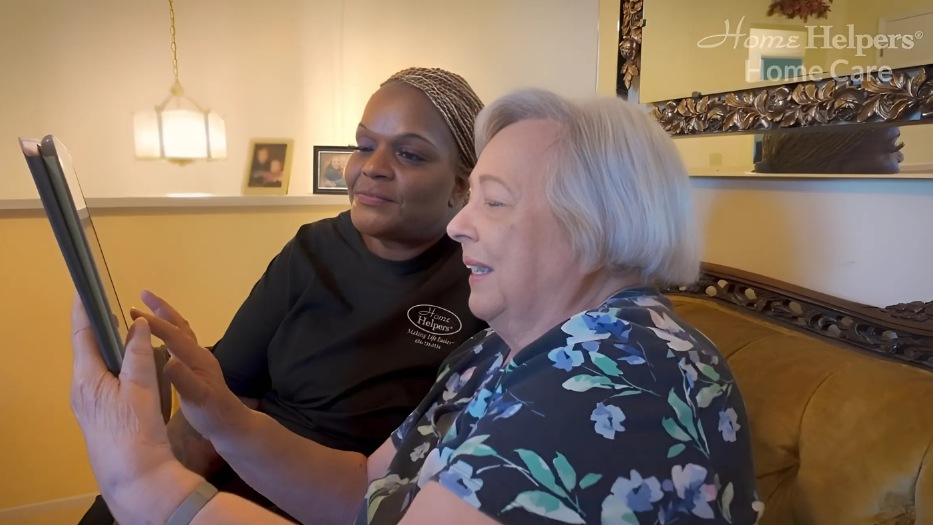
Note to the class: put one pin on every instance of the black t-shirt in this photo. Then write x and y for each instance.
(340, 345)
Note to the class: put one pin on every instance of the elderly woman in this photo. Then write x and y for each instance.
(587, 401)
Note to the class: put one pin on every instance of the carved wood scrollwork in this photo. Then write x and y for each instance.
(915, 311)
(903, 332)
(630, 42)
(906, 95)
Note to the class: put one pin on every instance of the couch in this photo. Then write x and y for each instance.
(839, 397)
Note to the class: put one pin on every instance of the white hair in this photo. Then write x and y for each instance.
(617, 185)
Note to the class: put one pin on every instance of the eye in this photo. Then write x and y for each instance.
(410, 156)
(492, 203)
(363, 148)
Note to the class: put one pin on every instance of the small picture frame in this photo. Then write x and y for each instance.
(269, 167)
(329, 163)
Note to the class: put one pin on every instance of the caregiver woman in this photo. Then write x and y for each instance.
(587, 401)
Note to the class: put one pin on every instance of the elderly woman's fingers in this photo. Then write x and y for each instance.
(88, 363)
(179, 344)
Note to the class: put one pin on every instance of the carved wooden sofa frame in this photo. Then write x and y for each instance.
(902, 332)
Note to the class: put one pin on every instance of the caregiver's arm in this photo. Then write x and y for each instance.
(195, 452)
(313, 483)
(229, 509)
(309, 481)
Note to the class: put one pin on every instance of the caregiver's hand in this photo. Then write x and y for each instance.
(122, 425)
(164, 311)
(208, 405)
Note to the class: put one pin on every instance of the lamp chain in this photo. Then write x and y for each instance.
(177, 86)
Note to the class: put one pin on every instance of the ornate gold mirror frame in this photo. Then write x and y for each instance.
(630, 43)
(904, 97)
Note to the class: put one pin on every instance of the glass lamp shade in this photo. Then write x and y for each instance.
(178, 134)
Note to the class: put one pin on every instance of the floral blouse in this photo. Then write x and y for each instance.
(621, 415)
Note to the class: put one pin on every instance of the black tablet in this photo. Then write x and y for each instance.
(57, 183)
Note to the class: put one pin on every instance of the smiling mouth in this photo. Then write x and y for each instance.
(371, 198)
(478, 269)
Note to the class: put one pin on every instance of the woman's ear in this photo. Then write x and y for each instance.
(461, 191)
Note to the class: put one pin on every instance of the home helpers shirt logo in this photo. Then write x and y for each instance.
(433, 323)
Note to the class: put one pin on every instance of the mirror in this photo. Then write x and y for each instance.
(718, 46)
(848, 151)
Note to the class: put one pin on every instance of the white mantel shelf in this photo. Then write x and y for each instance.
(211, 201)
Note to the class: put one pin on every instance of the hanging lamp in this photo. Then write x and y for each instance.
(179, 130)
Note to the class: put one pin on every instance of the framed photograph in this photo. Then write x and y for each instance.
(329, 163)
(269, 167)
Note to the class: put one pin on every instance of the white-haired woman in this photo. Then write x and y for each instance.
(587, 401)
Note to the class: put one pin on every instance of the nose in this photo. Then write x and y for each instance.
(378, 163)
(461, 228)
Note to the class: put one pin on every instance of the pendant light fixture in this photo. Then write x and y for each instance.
(179, 130)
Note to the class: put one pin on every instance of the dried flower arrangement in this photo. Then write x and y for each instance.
(800, 8)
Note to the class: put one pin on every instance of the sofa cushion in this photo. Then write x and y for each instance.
(839, 436)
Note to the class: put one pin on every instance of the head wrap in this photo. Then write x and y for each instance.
(454, 98)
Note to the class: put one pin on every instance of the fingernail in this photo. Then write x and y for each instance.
(138, 324)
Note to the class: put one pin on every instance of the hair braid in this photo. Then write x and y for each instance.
(456, 101)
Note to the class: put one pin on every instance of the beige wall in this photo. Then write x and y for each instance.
(204, 261)
(862, 240)
(608, 47)
(868, 12)
(40, 449)
(300, 69)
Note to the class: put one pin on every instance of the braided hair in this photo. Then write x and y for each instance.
(456, 101)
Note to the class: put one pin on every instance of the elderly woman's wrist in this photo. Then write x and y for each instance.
(153, 497)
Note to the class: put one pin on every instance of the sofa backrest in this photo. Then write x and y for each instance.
(839, 436)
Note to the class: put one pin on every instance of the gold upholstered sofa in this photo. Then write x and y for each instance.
(839, 397)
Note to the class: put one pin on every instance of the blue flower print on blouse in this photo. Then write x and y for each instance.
(478, 406)
(566, 358)
(620, 415)
(693, 495)
(728, 424)
(633, 494)
(608, 420)
(460, 477)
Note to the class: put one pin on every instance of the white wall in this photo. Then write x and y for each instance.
(301, 69)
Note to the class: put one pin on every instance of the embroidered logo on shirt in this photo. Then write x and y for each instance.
(434, 319)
